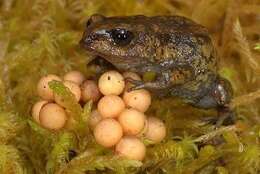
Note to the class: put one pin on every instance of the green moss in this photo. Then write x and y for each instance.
(257, 46)
(11, 160)
(60, 152)
(92, 162)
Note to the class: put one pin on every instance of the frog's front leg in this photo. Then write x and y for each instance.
(166, 79)
(161, 82)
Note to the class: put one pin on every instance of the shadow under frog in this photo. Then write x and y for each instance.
(178, 50)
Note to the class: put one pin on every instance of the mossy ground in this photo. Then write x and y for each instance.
(38, 37)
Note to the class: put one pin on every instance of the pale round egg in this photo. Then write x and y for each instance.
(52, 116)
(90, 91)
(111, 83)
(94, 118)
(131, 148)
(36, 109)
(108, 132)
(156, 130)
(132, 121)
(43, 89)
(110, 106)
(138, 99)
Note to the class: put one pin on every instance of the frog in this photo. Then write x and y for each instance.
(179, 51)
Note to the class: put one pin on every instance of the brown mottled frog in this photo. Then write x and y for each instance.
(178, 50)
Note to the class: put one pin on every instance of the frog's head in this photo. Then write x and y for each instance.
(117, 39)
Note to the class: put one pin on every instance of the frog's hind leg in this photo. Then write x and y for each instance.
(219, 97)
(225, 116)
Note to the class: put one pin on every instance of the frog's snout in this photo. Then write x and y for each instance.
(93, 38)
(87, 40)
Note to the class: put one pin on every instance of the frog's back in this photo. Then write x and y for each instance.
(163, 24)
(186, 43)
(173, 24)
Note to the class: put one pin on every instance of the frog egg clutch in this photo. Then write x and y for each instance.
(118, 121)
(49, 112)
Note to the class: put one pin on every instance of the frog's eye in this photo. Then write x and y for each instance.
(121, 36)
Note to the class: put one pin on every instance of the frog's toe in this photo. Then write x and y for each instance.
(136, 87)
(225, 117)
(135, 84)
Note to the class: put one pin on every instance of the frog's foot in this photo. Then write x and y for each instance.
(155, 85)
(225, 116)
(209, 120)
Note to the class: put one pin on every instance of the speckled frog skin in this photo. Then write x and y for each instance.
(178, 50)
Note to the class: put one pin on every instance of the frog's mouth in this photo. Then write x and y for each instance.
(134, 64)
(122, 63)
